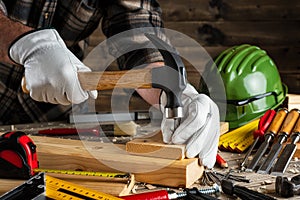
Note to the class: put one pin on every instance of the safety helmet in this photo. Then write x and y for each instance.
(252, 83)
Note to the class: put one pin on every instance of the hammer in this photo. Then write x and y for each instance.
(287, 188)
(171, 78)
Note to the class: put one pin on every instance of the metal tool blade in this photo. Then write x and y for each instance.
(271, 132)
(260, 152)
(267, 164)
(242, 165)
(284, 160)
(170, 55)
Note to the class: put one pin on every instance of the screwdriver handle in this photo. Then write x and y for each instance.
(160, 194)
(277, 121)
(297, 126)
(264, 123)
(289, 122)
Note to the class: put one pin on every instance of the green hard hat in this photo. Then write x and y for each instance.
(252, 83)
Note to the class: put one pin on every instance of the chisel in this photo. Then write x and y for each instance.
(258, 134)
(288, 152)
(282, 136)
(269, 135)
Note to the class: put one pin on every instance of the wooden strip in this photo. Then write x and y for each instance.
(155, 147)
(66, 154)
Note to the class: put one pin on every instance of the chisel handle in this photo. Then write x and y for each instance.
(289, 122)
(277, 121)
(297, 126)
(108, 80)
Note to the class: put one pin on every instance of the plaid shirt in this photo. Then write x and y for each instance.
(75, 20)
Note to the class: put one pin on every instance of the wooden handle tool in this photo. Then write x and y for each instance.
(139, 78)
(288, 152)
(271, 132)
(283, 134)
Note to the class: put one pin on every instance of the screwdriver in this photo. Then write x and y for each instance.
(258, 134)
(269, 135)
(168, 194)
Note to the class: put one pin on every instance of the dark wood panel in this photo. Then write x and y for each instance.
(229, 33)
(233, 10)
(286, 58)
(292, 80)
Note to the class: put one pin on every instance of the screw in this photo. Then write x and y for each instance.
(215, 189)
(211, 190)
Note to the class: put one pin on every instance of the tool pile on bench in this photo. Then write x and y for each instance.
(52, 166)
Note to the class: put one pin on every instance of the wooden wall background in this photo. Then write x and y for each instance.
(273, 25)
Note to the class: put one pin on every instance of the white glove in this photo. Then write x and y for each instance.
(50, 68)
(199, 129)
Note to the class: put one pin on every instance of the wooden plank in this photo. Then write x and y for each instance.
(199, 10)
(155, 147)
(238, 32)
(67, 154)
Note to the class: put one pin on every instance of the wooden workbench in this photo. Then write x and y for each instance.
(263, 183)
(258, 182)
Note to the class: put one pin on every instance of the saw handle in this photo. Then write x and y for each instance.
(277, 121)
(289, 122)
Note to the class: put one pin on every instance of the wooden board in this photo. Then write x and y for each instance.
(155, 147)
(67, 154)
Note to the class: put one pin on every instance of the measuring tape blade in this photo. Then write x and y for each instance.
(60, 189)
(84, 173)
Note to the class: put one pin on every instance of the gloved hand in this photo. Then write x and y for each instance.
(199, 129)
(50, 68)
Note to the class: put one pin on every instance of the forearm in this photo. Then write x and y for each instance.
(10, 30)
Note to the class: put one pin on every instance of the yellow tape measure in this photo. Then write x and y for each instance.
(238, 140)
(84, 173)
(60, 189)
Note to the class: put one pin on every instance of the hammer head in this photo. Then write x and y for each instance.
(171, 78)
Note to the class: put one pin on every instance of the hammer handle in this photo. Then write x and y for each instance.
(107, 80)
(139, 78)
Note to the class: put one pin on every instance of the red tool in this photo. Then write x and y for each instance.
(69, 131)
(18, 155)
(169, 194)
(263, 125)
